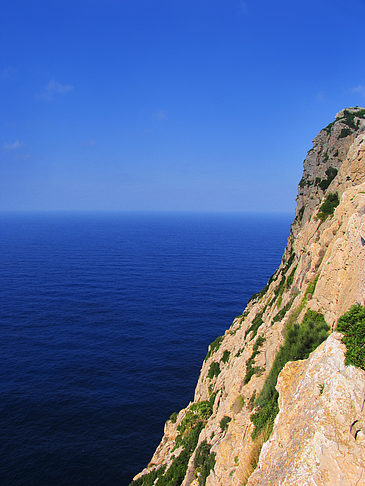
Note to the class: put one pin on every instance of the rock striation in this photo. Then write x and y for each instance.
(317, 438)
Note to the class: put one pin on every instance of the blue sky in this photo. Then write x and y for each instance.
(170, 104)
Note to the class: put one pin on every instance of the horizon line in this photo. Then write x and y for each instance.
(141, 211)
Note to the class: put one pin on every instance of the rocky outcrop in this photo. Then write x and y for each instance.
(319, 433)
(323, 269)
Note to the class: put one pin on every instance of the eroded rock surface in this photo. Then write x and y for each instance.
(319, 433)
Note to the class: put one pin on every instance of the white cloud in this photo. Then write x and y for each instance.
(12, 145)
(53, 88)
(359, 89)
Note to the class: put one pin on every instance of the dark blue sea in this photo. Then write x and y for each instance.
(105, 321)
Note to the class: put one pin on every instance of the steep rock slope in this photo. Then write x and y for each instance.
(216, 440)
(318, 436)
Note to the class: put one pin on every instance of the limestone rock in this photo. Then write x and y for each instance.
(318, 437)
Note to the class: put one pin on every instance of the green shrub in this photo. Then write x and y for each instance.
(300, 341)
(214, 346)
(204, 461)
(197, 412)
(278, 292)
(259, 342)
(193, 422)
(191, 438)
(300, 213)
(204, 409)
(295, 313)
(352, 325)
(256, 323)
(211, 400)
(196, 416)
(189, 430)
(311, 287)
(224, 423)
(284, 270)
(225, 356)
(349, 119)
(303, 182)
(174, 476)
(250, 369)
(150, 478)
(317, 181)
(328, 207)
(173, 417)
(329, 127)
(188, 421)
(214, 370)
(289, 262)
(290, 279)
(345, 132)
(283, 311)
(360, 113)
(331, 173)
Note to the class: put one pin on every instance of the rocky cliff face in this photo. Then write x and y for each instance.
(318, 436)
(217, 439)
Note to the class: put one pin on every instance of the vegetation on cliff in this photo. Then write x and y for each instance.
(250, 368)
(300, 341)
(348, 118)
(189, 430)
(352, 325)
(331, 173)
(204, 462)
(214, 346)
(329, 206)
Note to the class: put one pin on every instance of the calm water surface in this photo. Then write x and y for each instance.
(105, 321)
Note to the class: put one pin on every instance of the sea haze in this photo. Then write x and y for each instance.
(105, 322)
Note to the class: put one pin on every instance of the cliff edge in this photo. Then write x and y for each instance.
(275, 403)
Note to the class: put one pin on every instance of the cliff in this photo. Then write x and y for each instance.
(275, 402)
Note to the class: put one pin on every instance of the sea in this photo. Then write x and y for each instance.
(105, 321)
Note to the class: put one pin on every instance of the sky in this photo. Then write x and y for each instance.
(170, 105)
